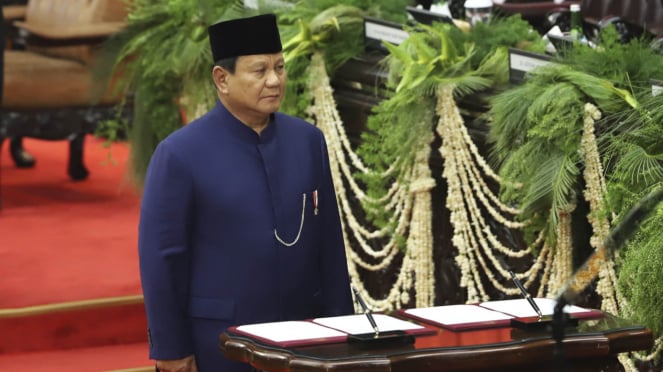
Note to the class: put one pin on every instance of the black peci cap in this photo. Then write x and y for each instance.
(245, 36)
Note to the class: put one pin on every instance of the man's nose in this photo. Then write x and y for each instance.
(273, 78)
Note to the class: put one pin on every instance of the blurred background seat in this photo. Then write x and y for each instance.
(51, 88)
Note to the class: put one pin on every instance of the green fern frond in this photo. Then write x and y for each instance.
(468, 84)
(627, 65)
(553, 189)
(495, 66)
(434, 55)
(636, 166)
(640, 274)
(509, 120)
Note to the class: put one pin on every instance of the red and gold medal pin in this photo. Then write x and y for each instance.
(315, 202)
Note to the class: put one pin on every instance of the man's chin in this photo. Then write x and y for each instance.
(271, 108)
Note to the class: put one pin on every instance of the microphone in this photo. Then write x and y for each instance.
(586, 273)
(589, 270)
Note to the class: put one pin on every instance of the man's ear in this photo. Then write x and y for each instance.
(220, 77)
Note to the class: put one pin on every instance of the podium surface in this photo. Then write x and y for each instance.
(591, 346)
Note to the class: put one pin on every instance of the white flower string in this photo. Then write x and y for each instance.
(656, 351)
(411, 209)
(420, 240)
(613, 300)
(594, 191)
(546, 255)
(473, 238)
(562, 264)
(628, 359)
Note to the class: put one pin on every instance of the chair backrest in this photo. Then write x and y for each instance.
(109, 11)
(2, 52)
(645, 13)
(66, 13)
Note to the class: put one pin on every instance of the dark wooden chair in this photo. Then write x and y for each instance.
(51, 90)
(638, 15)
(535, 12)
(13, 10)
(647, 15)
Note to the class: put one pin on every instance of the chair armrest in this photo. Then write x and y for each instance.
(14, 12)
(85, 31)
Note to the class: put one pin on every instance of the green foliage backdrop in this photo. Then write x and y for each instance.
(536, 131)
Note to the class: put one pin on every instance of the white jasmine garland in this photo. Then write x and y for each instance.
(466, 188)
(410, 206)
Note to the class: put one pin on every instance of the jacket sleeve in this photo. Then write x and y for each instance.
(163, 236)
(337, 299)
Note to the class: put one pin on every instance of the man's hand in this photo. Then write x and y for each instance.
(187, 364)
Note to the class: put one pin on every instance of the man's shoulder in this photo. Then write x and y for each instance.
(296, 124)
(281, 116)
(191, 130)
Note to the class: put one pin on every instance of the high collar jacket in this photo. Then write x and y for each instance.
(238, 228)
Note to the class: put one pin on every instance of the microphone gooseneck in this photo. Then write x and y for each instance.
(589, 270)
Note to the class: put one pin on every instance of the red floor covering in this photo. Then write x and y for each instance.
(63, 241)
(93, 359)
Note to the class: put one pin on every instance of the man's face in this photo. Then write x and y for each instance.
(257, 87)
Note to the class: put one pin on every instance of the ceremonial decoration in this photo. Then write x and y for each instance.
(578, 142)
(614, 154)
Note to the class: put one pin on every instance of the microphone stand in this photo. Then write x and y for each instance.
(559, 321)
(589, 270)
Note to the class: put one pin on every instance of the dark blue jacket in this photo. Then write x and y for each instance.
(238, 228)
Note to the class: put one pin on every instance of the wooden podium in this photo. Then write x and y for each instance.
(591, 346)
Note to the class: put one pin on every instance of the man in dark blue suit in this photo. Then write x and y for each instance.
(239, 222)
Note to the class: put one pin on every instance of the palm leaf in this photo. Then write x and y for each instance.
(553, 188)
(636, 166)
(509, 120)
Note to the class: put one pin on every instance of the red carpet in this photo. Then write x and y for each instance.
(62, 240)
(70, 289)
(104, 358)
